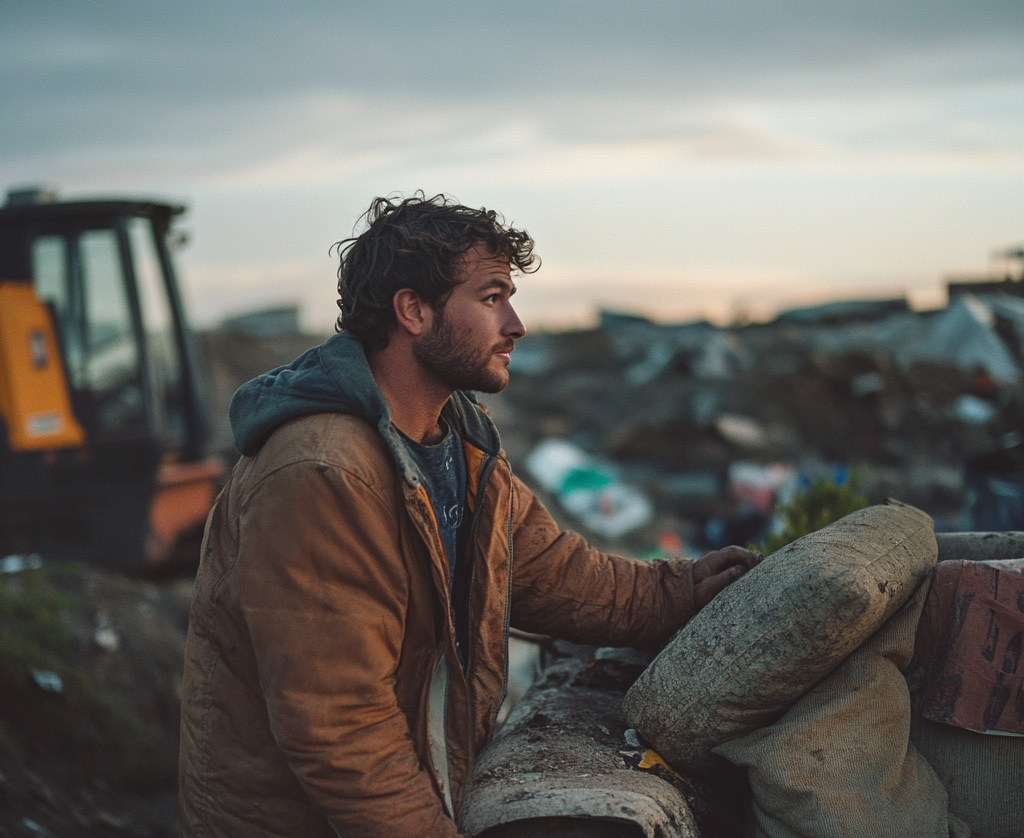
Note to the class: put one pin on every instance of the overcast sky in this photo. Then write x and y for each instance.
(678, 159)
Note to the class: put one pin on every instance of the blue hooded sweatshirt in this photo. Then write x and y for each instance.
(335, 377)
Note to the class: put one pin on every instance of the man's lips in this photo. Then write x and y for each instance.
(505, 352)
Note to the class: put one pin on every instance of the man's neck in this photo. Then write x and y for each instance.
(414, 396)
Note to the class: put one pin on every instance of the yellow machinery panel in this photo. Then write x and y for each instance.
(34, 399)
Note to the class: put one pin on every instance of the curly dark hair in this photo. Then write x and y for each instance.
(416, 243)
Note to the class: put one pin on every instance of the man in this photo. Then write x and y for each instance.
(347, 649)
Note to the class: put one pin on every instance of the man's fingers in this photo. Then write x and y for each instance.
(720, 560)
(706, 590)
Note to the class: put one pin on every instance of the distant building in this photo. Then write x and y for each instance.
(844, 311)
(1008, 284)
(266, 322)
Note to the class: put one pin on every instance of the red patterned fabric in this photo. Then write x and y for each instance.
(969, 646)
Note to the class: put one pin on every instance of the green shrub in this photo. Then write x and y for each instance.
(820, 504)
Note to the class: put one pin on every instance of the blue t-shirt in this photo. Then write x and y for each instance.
(444, 474)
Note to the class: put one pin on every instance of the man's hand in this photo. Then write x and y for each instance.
(718, 570)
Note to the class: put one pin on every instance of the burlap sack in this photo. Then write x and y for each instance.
(839, 762)
(772, 635)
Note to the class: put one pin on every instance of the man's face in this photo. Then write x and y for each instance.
(468, 343)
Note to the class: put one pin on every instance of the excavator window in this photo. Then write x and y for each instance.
(111, 351)
(80, 274)
(51, 272)
(162, 352)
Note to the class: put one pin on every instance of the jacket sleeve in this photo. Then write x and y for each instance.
(322, 590)
(563, 587)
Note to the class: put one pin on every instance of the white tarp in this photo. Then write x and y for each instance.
(962, 336)
(1010, 308)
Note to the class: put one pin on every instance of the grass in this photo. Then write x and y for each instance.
(83, 720)
(34, 630)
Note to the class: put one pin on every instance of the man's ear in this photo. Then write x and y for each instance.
(413, 314)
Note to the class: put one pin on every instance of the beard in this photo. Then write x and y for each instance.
(453, 359)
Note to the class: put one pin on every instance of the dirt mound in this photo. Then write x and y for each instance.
(90, 685)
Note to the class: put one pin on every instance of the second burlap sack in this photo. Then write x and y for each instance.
(775, 633)
(840, 761)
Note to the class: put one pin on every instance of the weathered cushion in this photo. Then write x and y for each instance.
(775, 633)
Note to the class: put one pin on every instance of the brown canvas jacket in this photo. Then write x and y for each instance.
(322, 691)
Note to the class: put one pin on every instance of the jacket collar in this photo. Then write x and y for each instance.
(335, 377)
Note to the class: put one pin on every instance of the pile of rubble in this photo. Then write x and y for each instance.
(90, 685)
(713, 426)
(659, 439)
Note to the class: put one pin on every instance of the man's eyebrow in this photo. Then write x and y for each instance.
(503, 283)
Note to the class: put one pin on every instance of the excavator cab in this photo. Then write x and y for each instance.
(102, 430)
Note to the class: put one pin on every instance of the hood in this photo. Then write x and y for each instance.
(335, 377)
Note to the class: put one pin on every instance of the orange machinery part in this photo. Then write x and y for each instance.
(34, 400)
(183, 498)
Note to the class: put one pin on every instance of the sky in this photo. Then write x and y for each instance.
(680, 159)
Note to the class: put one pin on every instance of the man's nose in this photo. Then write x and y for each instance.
(513, 327)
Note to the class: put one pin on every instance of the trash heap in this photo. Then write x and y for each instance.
(646, 435)
(90, 685)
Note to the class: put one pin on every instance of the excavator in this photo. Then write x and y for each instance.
(102, 403)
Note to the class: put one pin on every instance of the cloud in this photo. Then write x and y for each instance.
(229, 53)
(796, 132)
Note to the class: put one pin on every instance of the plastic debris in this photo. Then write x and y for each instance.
(741, 431)
(708, 352)
(670, 542)
(552, 461)
(659, 356)
(973, 411)
(912, 397)
(18, 563)
(35, 828)
(962, 336)
(1009, 309)
(588, 489)
(867, 383)
(843, 311)
(106, 638)
(611, 511)
(48, 680)
(758, 486)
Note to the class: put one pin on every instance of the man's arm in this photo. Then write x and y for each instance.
(564, 587)
(323, 591)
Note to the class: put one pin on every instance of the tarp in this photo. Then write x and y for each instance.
(961, 336)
